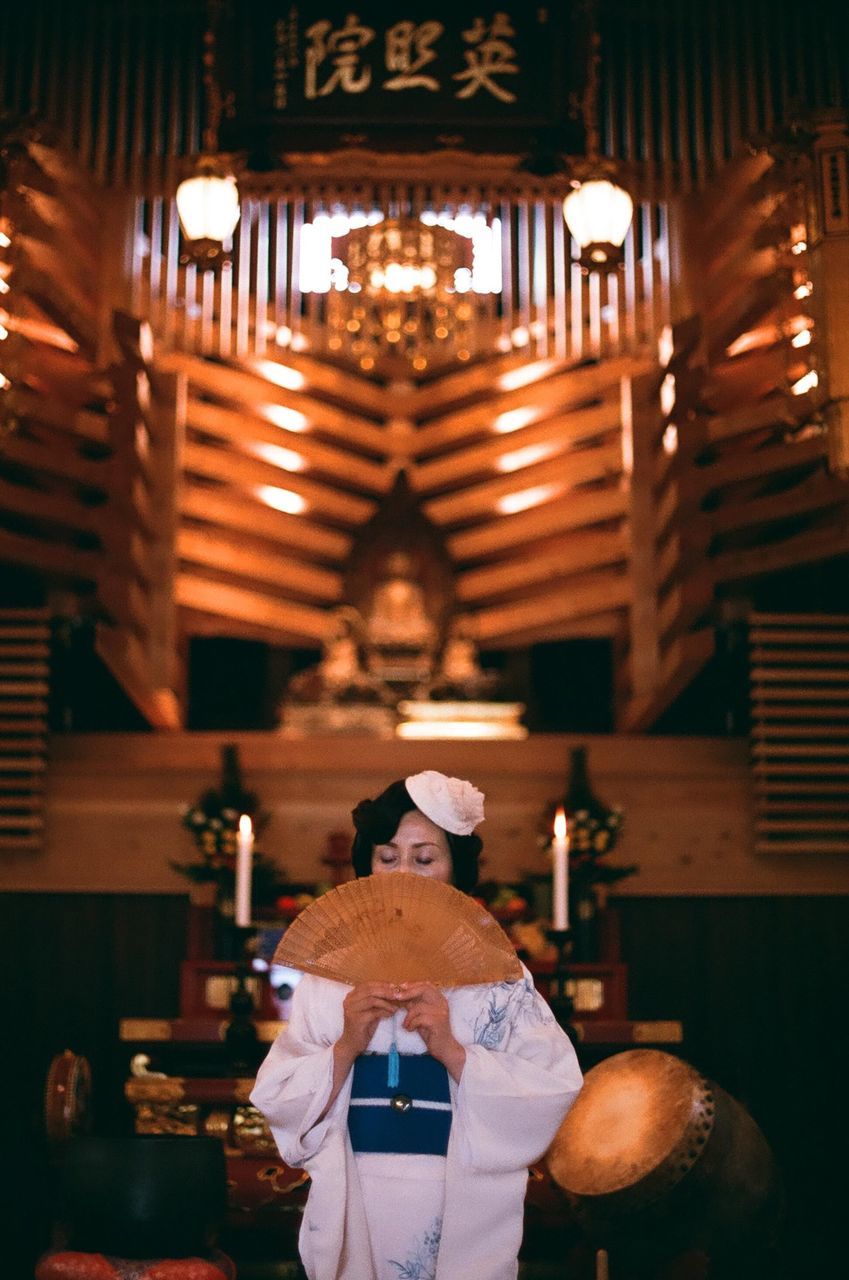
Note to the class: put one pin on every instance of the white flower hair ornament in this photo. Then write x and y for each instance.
(452, 803)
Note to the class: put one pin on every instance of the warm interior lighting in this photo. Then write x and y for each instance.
(560, 826)
(598, 214)
(515, 419)
(280, 374)
(801, 339)
(667, 394)
(277, 456)
(461, 720)
(208, 205)
(512, 503)
(524, 457)
(397, 286)
(670, 439)
(803, 290)
(292, 504)
(514, 379)
(208, 200)
(806, 383)
(285, 418)
(665, 345)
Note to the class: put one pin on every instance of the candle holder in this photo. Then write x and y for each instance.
(562, 1005)
(240, 1034)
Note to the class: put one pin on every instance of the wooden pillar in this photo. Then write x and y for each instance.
(829, 261)
(641, 431)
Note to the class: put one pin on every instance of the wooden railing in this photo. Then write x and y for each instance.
(24, 689)
(799, 671)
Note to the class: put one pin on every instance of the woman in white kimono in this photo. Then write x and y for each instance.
(415, 1111)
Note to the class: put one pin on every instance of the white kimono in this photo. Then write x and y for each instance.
(414, 1217)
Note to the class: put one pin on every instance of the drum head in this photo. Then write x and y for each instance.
(632, 1113)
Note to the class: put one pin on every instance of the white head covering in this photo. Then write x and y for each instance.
(452, 803)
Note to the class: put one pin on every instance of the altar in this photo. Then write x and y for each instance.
(193, 1074)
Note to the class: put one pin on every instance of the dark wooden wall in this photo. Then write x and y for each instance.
(759, 983)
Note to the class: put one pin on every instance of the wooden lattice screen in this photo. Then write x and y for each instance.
(24, 670)
(800, 731)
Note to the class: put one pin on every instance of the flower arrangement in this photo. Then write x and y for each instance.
(594, 829)
(213, 822)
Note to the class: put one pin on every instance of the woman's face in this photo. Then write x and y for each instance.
(418, 845)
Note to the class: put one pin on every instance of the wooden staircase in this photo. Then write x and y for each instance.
(24, 687)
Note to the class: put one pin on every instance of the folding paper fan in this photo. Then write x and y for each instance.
(399, 927)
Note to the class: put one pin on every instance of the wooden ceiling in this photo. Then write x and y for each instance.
(604, 491)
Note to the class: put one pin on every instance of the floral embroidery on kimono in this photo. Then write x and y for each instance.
(422, 1264)
(411, 1217)
(508, 1005)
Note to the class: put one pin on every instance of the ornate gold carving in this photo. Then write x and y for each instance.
(217, 1124)
(274, 1174)
(161, 1118)
(166, 1089)
(251, 1134)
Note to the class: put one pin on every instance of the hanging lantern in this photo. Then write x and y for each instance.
(597, 211)
(598, 214)
(208, 205)
(208, 201)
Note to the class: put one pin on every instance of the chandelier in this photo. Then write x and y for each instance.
(403, 286)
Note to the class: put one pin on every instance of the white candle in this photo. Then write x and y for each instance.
(560, 884)
(244, 867)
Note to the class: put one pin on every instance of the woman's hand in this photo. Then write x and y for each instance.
(428, 1013)
(363, 1008)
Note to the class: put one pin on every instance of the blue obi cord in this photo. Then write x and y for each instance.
(410, 1118)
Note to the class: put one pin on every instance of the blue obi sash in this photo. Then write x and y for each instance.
(410, 1118)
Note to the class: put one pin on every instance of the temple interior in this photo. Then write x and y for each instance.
(458, 387)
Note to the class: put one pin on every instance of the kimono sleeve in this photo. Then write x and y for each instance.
(295, 1080)
(520, 1078)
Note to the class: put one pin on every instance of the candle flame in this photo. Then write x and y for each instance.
(245, 825)
(560, 824)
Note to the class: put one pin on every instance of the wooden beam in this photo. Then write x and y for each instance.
(53, 508)
(348, 469)
(681, 663)
(57, 458)
(774, 411)
(775, 458)
(244, 387)
(593, 595)
(248, 515)
(560, 432)
(251, 563)
(566, 472)
(480, 378)
(271, 613)
(573, 512)
(126, 660)
(574, 554)
(574, 388)
(815, 493)
(822, 543)
(241, 472)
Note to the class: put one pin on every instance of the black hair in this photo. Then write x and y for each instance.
(376, 822)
